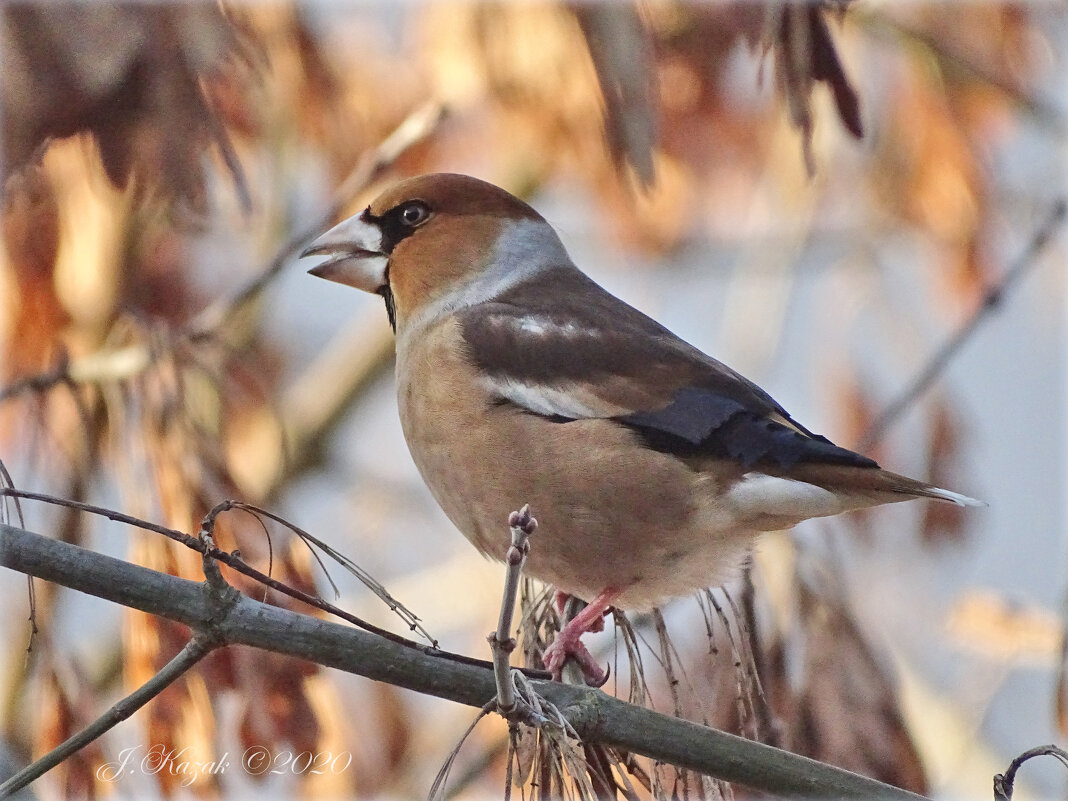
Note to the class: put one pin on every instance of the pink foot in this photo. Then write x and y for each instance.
(568, 642)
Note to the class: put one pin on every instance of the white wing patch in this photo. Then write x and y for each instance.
(572, 399)
(539, 398)
(540, 326)
(532, 325)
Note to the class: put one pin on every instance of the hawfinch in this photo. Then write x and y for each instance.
(650, 466)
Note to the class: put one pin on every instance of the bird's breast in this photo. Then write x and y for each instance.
(442, 415)
(611, 512)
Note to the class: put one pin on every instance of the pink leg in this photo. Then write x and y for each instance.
(560, 598)
(568, 642)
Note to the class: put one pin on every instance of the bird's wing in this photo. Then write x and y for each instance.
(561, 347)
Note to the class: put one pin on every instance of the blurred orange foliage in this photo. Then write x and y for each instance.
(149, 149)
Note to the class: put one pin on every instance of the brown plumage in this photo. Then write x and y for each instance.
(650, 466)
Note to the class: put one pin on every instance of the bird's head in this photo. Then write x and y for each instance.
(431, 238)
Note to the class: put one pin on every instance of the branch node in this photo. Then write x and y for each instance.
(221, 594)
(503, 645)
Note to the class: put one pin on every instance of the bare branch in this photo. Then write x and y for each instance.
(1003, 782)
(233, 561)
(596, 717)
(195, 650)
(991, 301)
(416, 127)
(437, 788)
(122, 363)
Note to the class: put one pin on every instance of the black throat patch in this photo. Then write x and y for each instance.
(391, 306)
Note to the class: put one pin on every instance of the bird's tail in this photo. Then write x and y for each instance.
(866, 486)
(918, 489)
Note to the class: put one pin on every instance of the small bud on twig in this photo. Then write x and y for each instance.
(522, 525)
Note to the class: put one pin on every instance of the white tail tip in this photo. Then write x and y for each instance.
(953, 497)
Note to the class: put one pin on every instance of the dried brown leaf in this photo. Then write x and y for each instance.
(130, 75)
(622, 55)
(805, 55)
(30, 241)
(847, 711)
(943, 522)
(65, 708)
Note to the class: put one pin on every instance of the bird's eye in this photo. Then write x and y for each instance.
(414, 214)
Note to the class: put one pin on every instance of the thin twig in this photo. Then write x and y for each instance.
(414, 129)
(991, 301)
(404, 613)
(767, 726)
(743, 670)
(502, 643)
(954, 60)
(125, 362)
(110, 514)
(669, 656)
(1003, 782)
(747, 638)
(234, 562)
(638, 691)
(437, 788)
(196, 649)
(591, 714)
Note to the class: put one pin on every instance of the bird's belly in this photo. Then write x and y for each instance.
(611, 513)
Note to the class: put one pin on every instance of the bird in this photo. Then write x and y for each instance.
(651, 467)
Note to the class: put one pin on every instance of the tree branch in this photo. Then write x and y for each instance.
(196, 649)
(596, 716)
(1004, 782)
(123, 363)
(942, 357)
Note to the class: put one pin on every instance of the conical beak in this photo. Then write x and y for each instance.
(356, 248)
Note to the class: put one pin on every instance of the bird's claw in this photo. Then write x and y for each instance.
(565, 647)
(602, 680)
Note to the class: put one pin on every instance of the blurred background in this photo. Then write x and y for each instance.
(818, 195)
